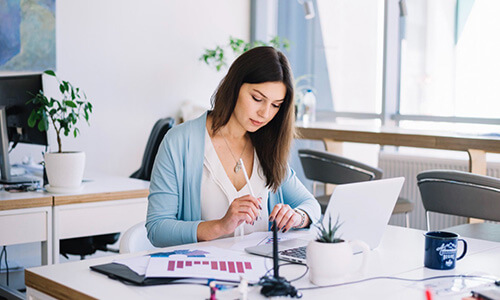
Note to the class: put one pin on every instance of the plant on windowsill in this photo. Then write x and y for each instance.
(64, 168)
(329, 257)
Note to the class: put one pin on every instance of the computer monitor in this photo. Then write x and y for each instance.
(15, 91)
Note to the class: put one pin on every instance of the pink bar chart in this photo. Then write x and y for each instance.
(239, 267)
(209, 262)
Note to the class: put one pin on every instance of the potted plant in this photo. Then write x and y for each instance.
(329, 257)
(64, 168)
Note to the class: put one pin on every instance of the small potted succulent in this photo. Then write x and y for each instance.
(64, 168)
(329, 256)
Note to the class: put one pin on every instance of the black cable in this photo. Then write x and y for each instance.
(396, 278)
(1, 256)
(15, 141)
(6, 264)
(287, 264)
(4, 251)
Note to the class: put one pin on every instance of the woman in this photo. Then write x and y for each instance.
(198, 190)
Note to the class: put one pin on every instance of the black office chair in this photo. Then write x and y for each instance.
(463, 194)
(84, 246)
(326, 167)
(157, 133)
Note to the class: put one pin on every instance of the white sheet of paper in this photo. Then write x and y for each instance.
(137, 264)
(264, 237)
(206, 262)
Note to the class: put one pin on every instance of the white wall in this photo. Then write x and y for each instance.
(137, 61)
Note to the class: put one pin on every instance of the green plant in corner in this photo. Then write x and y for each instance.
(217, 57)
(329, 234)
(63, 113)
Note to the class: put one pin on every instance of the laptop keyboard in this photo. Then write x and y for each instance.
(299, 252)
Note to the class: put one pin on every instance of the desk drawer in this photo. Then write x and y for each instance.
(76, 220)
(23, 226)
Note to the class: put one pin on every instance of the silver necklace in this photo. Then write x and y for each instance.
(237, 167)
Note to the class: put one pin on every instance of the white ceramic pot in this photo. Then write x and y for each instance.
(64, 171)
(328, 262)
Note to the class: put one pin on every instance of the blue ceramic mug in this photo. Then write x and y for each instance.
(441, 250)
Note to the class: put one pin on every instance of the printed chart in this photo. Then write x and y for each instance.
(204, 266)
(206, 263)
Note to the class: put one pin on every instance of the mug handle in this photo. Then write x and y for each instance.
(465, 249)
(366, 252)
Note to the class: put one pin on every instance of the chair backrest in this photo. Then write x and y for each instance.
(135, 239)
(157, 133)
(460, 193)
(330, 168)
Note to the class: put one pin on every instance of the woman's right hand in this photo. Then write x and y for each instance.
(242, 209)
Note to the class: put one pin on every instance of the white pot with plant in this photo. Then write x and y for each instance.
(329, 257)
(64, 168)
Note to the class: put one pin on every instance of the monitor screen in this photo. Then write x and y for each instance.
(15, 91)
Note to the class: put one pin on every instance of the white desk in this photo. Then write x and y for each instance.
(27, 218)
(104, 205)
(400, 254)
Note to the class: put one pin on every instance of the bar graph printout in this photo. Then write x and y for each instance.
(207, 262)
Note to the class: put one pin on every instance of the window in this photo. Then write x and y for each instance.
(450, 64)
(353, 43)
(410, 63)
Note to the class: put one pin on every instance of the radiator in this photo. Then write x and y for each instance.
(408, 166)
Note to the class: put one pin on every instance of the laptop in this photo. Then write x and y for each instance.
(364, 208)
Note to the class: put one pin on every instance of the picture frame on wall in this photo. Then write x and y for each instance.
(27, 36)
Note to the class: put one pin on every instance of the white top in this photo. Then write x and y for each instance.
(218, 192)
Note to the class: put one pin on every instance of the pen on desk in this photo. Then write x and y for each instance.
(428, 294)
(248, 181)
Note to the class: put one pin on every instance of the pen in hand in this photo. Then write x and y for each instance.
(248, 182)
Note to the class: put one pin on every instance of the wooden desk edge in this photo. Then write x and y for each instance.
(96, 197)
(419, 140)
(52, 288)
(25, 203)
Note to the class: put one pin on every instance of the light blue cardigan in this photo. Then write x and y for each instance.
(174, 210)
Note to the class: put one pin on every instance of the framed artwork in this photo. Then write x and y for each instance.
(27, 35)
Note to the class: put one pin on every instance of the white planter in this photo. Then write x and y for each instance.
(64, 171)
(328, 262)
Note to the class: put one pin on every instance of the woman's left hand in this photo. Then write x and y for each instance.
(286, 218)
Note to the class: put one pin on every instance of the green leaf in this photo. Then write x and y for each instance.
(61, 88)
(70, 103)
(32, 119)
(43, 124)
(66, 85)
(50, 72)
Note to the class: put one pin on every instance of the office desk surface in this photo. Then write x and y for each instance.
(105, 189)
(94, 190)
(400, 254)
(20, 200)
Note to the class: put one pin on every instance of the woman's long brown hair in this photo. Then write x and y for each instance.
(273, 141)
